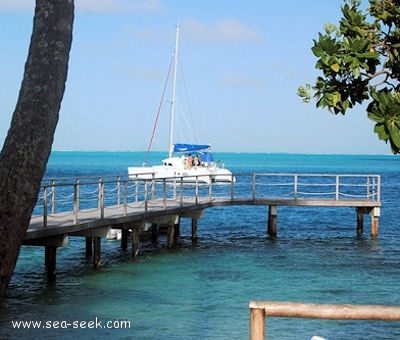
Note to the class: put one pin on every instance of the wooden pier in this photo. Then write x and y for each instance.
(90, 207)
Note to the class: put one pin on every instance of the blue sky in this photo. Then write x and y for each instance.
(240, 64)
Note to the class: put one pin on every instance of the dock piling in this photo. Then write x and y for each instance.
(135, 242)
(360, 221)
(50, 263)
(194, 229)
(272, 220)
(171, 235)
(97, 252)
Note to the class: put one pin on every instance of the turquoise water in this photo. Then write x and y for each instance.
(202, 291)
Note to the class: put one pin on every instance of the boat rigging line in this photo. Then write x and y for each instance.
(158, 113)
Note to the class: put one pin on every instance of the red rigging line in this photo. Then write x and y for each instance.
(158, 113)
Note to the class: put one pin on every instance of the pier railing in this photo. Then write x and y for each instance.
(259, 310)
(77, 196)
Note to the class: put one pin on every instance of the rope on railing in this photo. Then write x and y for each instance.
(129, 192)
(60, 216)
(316, 193)
(88, 210)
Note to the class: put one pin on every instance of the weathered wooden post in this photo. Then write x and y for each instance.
(260, 309)
(272, 220)
(53, 197)
(171, 234)
(194, 229)
(177, 231)
(101, 198)
(50, 253)
(360, 221)
(125, 198)
(375, 213)
(135, 242)
(257, 323)
(118, 190)
(76, 201)
(97, 252)
(146, 203)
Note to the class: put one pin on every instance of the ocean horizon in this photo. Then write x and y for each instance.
(202, 290)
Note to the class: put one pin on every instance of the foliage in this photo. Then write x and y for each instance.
(360, 61)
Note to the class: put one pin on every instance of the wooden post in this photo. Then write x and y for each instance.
(272, 220)
(375, 213)
(89, 245)
(374, 226)
(50, 253)
(177, 231)
(360, 221)
(135, 242)
(257, 323)
(171, 235)
(97, 252)
(194, 229)
(261, 309)
(124, 238)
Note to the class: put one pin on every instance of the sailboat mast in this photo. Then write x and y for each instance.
(172, 115)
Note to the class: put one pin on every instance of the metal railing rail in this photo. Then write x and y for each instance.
(79, 195)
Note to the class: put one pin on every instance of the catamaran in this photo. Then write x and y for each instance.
(186, 162)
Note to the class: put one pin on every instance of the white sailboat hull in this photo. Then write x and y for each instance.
(171, 171)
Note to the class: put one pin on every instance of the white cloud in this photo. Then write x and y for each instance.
(96, 6)
(225, 30)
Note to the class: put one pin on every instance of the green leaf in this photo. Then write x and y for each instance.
(335, 67)
(394, 132)
(376, 117)
(380, 130)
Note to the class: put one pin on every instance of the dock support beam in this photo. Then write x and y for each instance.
(50, 253)
(194, 229)
(375, 213)
(177, 231)
(360, 221)
(96, 252)
(171, 235)
(272, 220)
(135, 242)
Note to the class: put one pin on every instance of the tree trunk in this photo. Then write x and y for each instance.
(28, 143)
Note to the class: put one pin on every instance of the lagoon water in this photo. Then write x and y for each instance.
(202, 291)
